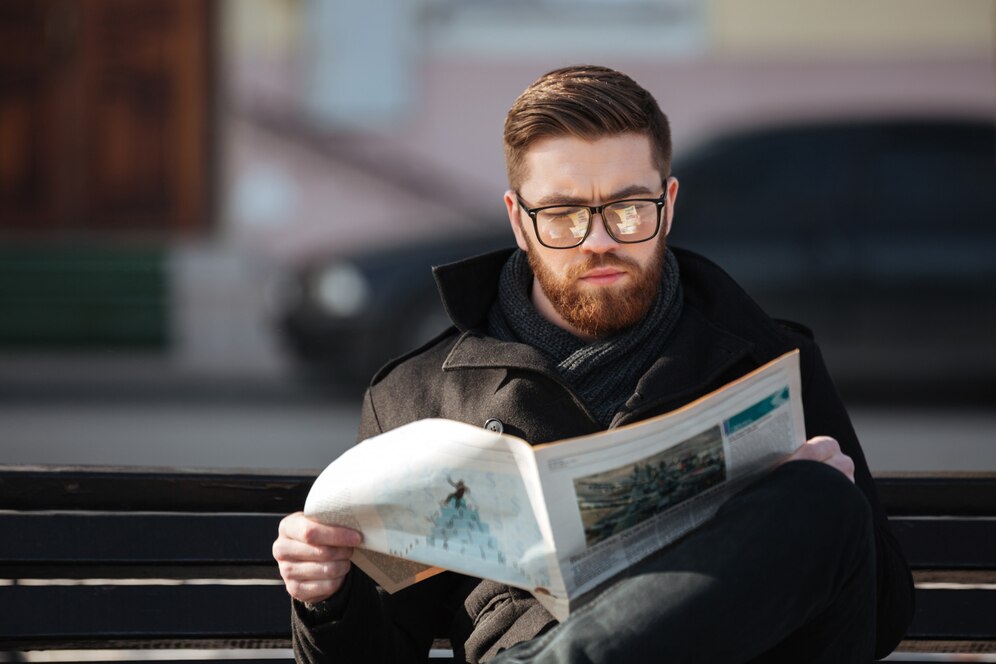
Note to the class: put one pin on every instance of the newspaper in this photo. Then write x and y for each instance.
(558, 519)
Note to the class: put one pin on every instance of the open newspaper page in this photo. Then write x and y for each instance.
(615, 498)
(437, 494)
(563, 518)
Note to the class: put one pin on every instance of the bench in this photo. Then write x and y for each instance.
(946, 525)
(116, 558)
(126, 558)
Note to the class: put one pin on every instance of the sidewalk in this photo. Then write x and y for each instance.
(146, 411)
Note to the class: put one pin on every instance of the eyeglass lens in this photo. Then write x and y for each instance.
(626, 221)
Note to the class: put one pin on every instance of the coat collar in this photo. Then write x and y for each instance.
(699, 352)
(468, 287)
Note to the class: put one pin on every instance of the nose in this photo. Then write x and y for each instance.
(598, 241)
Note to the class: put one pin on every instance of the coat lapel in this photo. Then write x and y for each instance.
(698, 354)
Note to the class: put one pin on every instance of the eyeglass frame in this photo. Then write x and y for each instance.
(660, 202)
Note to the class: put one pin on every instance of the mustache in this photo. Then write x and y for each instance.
(604, 260)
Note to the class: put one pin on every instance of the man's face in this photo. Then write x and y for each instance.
(601, 286)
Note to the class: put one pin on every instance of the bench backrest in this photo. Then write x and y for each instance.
(946, 525)
(133, 558)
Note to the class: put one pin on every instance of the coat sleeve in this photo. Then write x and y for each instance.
(826, 415)
(362, 623)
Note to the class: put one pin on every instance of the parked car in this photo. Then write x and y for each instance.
(344, 316)
(877, 234)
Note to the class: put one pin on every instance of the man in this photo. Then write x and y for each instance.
(594, 322)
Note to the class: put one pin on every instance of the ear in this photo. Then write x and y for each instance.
(515, 219)
(672, 196)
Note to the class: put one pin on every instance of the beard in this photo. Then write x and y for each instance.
(601, 312)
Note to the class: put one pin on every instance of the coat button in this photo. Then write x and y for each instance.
(494, 425)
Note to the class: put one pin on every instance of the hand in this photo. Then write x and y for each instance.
(825, 450)
(313, 557)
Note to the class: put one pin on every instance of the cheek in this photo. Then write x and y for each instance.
(553, 266)
(550, 259)
(652, 253)
(558, 263)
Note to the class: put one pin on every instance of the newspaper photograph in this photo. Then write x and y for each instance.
(613, 501)
(562, 518)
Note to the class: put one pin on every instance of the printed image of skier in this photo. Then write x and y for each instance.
(457, 496)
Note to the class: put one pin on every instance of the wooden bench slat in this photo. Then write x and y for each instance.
(946, 646)
(957, 543)
(191, 615)
(136, 539)
(137, 489)
(144, 616)
(938, 494)
(241, 539)
(965, 577)
(214, 571)
(159, 659)
(954, 615)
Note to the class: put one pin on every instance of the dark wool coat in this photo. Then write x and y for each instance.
(465, 375)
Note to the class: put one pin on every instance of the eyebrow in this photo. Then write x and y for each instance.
(626, 192)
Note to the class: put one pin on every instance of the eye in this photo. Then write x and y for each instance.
(565, 215)
(632, 218)
(558, 222)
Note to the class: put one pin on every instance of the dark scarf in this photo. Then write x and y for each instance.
(604, 373)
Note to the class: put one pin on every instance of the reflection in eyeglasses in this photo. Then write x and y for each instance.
(629, 220)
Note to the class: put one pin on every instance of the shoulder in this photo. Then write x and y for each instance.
(420, 385)
(416, 371)
(710, 290)
(418, 360)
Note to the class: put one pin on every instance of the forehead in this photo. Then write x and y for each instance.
(574, 165)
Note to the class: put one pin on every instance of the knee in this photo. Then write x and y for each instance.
(812, 478)
(821, 495)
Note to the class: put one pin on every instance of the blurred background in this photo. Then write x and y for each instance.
(217, 217)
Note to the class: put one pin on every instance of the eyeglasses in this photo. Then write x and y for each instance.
(627, 221)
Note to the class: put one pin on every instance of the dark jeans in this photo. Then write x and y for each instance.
(785, 572)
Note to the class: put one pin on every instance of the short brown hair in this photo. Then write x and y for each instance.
(587, 102)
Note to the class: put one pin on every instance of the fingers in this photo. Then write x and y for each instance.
(316, 571)
(818, 448)
(300, 528)
(311, 581)
(844, 464)
(313, 592)
(825, 449)
(313, 558)
(314, 582)
(287, 549)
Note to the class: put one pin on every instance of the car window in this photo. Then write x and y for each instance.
(780, 180)
(767, 205)
(932, 203)
(936, 177)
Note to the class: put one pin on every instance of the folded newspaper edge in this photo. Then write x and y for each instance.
(559, 519)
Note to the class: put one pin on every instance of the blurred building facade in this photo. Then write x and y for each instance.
(161, 160)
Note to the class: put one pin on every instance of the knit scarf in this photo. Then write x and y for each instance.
(604, 373)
